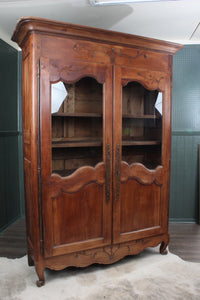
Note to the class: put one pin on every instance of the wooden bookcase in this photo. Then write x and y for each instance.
(97, 162)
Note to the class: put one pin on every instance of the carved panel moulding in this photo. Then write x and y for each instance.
(93, 52)
(150, 80)
(73, 72)
(141, 173)
(105, 255)
(77, 180)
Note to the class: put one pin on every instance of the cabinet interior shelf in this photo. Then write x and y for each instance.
(129, 116)
(141, 143)
(90, 142)
(98, 115)
(75, 142)
(84, 115)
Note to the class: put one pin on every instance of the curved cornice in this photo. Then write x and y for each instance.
(27, 25)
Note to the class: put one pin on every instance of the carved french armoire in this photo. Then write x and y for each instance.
(96, 135)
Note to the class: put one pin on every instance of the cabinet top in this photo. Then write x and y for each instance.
(27, 25)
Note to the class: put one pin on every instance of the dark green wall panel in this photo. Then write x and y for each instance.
(186, 91)
(9, 183)
(20, 139)
(11, 176)
(184, 178)
(185, 135)
(8, 87)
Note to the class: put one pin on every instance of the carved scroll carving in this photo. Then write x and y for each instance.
(112, 53)
(77, 180)
(149, 79)
(140, 173)
(104, 255)
(73, 72)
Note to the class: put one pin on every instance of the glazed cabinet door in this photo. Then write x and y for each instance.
(76, 155)
(141, 153)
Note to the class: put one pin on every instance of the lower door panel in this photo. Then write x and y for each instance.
(140, 206)
(140, 210)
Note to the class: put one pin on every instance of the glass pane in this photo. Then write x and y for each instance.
(76, 125)
(141, 125)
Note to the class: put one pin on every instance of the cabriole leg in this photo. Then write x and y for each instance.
(163, 248)
(40, 272)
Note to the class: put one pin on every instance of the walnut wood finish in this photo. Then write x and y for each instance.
(106, 208)
(184, 241)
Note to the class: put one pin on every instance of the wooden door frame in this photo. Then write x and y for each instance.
(53, 184)
(151, 80)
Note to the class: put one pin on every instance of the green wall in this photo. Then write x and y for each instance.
(185, 135)
(11, 176)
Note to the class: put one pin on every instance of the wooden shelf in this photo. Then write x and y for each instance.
(98, 115)
(76, 142)
(84, 115)
(93, 142)
(140, 142)
(129, 116)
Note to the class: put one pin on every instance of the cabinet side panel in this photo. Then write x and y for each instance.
(26, 111)
(29, 200)
(30, 144)
(26, 106)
